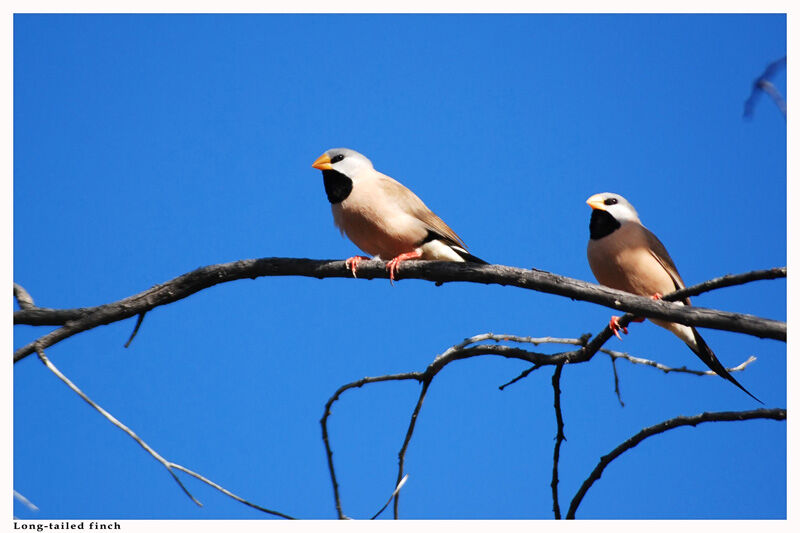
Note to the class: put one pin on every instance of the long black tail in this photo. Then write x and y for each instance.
(708, 357)
(466, 256)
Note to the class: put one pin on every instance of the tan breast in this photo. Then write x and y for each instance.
(622, 260)
(375, 224)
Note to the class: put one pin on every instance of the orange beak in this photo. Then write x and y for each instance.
(596, 202)
(323, 162)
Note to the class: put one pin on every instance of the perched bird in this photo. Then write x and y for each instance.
(382, 217)
(625, 255)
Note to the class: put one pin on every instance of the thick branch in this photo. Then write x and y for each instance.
(436, 271)
(725, 416)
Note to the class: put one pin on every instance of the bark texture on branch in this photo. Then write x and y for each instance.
(77, 320)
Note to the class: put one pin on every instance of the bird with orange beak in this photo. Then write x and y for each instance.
(382, 217)
(625, 255)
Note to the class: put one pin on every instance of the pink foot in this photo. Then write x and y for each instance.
(352, 263)
(655, 296)
(615, 327)
(393, 264)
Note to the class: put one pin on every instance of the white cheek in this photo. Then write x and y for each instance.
(623, 215)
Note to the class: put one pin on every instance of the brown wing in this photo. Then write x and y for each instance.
(409, 202)
(661, 255)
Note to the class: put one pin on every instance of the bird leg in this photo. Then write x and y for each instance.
(391, 266)
(352, 263)
(615, 327)
(654, 296)
(614, 322)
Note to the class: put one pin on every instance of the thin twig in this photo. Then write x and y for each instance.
(679, 421)
(25, 501)
(114, 421)
(464, 350)
(401, 456)
(559, 438)
(324, 423)
(595, 345)
(616, 379)
(394, 493)
(666, 369)
(226, 492)
(581, 341)
(437, 271)
(169, 465)
(763, 83)
(524, 374)
(136, 328)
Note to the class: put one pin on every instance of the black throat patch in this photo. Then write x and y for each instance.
(337, 186)
(602, 224)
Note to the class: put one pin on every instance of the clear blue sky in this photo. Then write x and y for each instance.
(147, 146)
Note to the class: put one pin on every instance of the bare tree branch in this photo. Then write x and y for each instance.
(135, 329)
(228, 493)
(25, 501)
(678, 421)
(436, 271)
(394, 493)
(616, 380)
(465, 350)
(559, 438)
(114, 421)
(667, 369)
(764, 83)
(169, 465)
(401, 456)
(585, 354)
(24, 299)
(324, 423)
(728, 280)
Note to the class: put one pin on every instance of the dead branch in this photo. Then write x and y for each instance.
(394, 493)
(139, 321)
(616, 380)
(169, 465)
(24, 299)
(764, 84)
(590, 348)
(324, 423)
(559, 438)
(25, 501)
(465, 350)
(77, 320)
(678, 421)
(401, 456)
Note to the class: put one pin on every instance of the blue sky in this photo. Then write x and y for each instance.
(147, 146)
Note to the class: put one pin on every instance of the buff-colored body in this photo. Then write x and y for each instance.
(629, 260)
(625, 255)
(385, 219)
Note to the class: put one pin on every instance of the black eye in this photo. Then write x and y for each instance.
(337, 158)
(610, 201)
